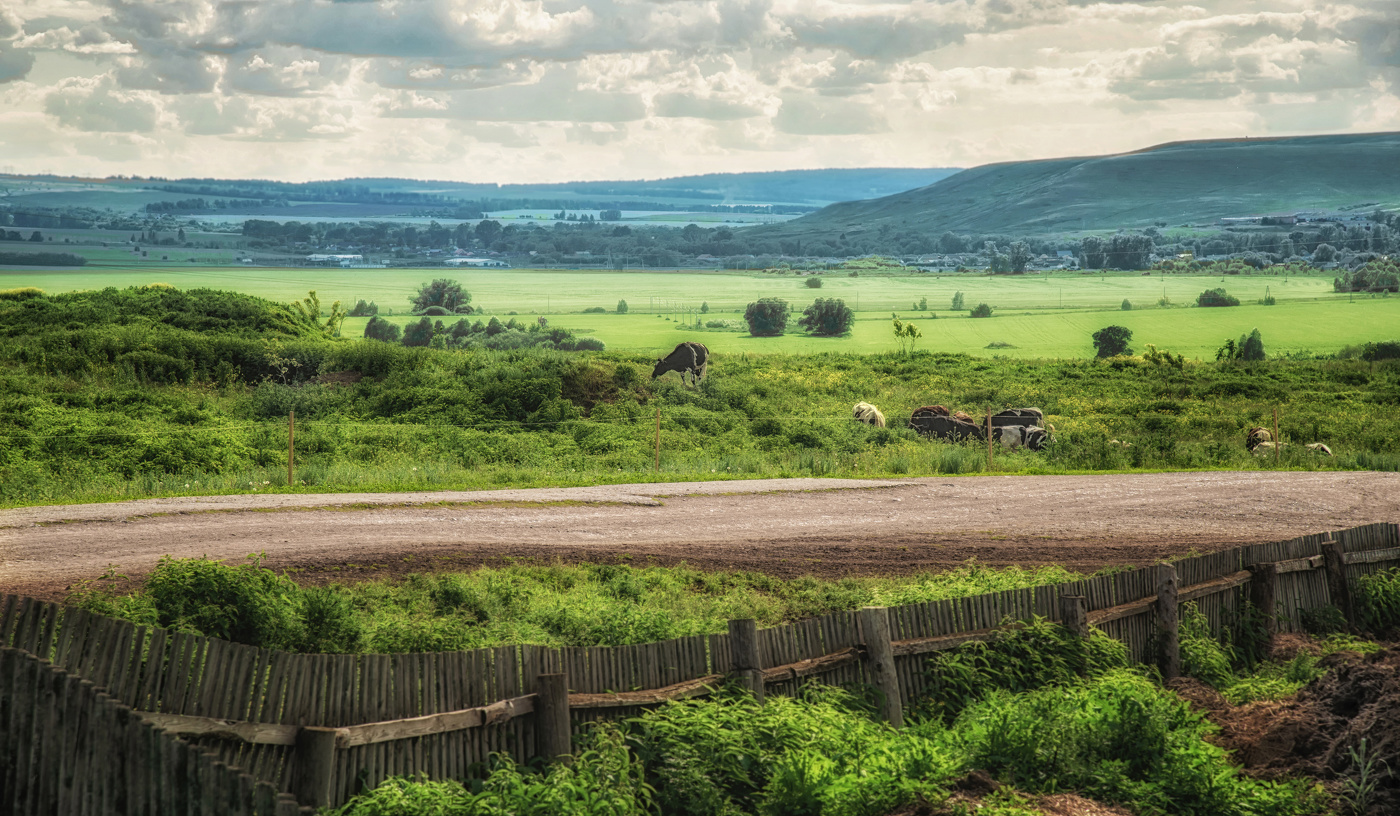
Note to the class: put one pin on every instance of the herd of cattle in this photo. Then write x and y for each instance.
(1013, 428)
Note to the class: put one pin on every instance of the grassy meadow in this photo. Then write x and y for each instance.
(1039, 316)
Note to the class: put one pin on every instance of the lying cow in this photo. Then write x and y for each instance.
(1257, 436)
(1012, 437)
(1268, 448)
(946, 428)
(869, 414)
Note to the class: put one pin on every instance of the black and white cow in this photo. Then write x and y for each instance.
(688, 358)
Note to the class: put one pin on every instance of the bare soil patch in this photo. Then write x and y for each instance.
(785, 527)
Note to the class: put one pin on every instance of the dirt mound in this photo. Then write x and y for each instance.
(1315, 734)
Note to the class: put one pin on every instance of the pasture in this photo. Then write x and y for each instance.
(1049, 315)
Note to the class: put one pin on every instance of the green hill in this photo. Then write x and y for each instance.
(1175, 183)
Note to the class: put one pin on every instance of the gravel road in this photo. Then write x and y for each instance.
(828, 527)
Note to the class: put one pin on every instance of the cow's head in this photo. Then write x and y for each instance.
(660, 368)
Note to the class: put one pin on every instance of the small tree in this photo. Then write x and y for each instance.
(957, 301)
(906, 335)
(1127, 305)
(704, 307)
(1252, 347)
(814, 282)
(1020, 256)
(363, 309)
(923, 304)
(767, 317)
(982, 310)
(1216, 297)
(445, 293)
(827, 317)
(381, 329)
(418, 334)
(1111, 341)
(1325, 253)
(622, 307)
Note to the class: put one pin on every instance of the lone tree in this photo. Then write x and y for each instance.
(381, 329)
(1216, 297)
(767, 317)
(814, 282)
(828, 317)
(1252, 347)
(622, 307)
(981, 310)
(444, 293)
(957, 301)
(1112, 341)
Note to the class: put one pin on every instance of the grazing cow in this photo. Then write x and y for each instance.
(1012, 437)
(1035, 415)
(869, 414)
(687, 358)
(1256, 437)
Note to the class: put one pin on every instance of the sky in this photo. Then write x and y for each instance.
(559, 90)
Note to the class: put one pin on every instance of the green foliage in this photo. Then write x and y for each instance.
(380, 329)
(906, 335)
(981, 310)
(767, 317)
(1127, 305)
(1252, 348)
(957, 305)
(588, 605)
(1216, 297)
(418, 334)
(814, 282)
(445, 293)
(828, 317)
(603, 778)
(1380, 275)
(1202, 656)
(1368, 771)
(1112, 341)
(1379, 600)
(1034, 655)
(622, 307)
(363, 309)
(1163, 357)
(41, 259)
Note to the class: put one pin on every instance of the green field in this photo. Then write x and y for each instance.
(1040, 315)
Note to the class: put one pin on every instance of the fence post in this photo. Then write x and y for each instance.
(552, 717)
(743, 646)
(1333, 558)
(1074, 614)
(658, 438)
(1168, 622)
(291, 443)
(1278, 440)
(875, 624)
(989, 439)
(1263, 591)
(313, 765)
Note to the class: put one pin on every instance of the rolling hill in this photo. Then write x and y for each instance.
(1175, 183)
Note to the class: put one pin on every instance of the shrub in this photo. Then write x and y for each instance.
(380, 329)
(1252, 347)
(436, 311)
(1380, 600)
(622, 307)
(1216, 297)
(363, 309)
(827, 317)
(957, 301)
(767, 317)
(982, 310)
(595, 310)
(1112, 341)
(419, 334)
(245, 603)
(447, 294)
(814, 282)
(1127, 305)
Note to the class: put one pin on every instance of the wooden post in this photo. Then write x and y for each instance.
(1337, 586)
(744, 660)
(1169, 660)
(875, 624)
(1263, 593)
(1278, 441)
(658, 438)
(552, 717)
(313, 765)
(291, 443)
(989, 439)
(1074, 614)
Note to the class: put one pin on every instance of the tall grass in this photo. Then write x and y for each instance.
(587, 605)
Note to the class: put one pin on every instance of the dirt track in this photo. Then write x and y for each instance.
(788, 527)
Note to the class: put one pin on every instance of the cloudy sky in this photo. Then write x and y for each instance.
(553, 90)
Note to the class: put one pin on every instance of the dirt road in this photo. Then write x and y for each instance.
(786, 527)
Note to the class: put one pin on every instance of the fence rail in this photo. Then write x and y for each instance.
(320, 726)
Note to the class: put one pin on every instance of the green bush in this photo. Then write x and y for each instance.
(982, 310)
(1216, 297)
(827, 317)
(767, 317)
(1380, 600)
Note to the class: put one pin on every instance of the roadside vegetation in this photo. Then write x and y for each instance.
(589, 605)
(156, 391)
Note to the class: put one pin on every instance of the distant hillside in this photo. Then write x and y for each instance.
(1176, 183)
(795, 190)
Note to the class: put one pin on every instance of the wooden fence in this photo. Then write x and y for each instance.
(70, 749)
(325, 726)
